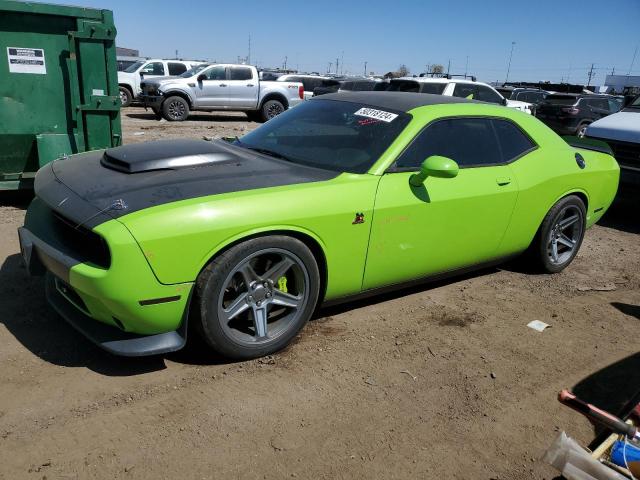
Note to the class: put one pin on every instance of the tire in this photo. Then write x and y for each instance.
(582, 130)
(254, 116)
(274, 278)
(175, 109)
(270, 109)
(125, 96)
(564, 224)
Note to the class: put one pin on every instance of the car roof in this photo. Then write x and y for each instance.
(402, 101)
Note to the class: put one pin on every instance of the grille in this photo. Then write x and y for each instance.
(627, 154)
(85, 245)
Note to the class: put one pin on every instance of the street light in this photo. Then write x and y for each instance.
(513, 44)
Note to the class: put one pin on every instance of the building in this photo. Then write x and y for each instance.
(617, 83)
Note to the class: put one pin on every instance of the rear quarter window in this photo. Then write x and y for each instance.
(177, 68)
(513, 141)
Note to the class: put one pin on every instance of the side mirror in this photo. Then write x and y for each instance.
(504, 101)
(202, 77)
(435, 166)
(141, 74)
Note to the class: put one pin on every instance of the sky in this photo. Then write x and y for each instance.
(554, 40)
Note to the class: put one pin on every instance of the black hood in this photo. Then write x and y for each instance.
(94, 187)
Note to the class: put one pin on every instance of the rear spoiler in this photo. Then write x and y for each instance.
(589, 144)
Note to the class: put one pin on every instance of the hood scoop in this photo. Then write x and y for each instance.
(166, 155)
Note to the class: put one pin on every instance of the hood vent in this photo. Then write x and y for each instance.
(165, 155)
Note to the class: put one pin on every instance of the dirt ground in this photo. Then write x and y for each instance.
(441, 381)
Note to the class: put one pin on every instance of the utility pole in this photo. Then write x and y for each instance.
(633, 60)
(329, 69)
(365, 68)
(466, 66)
(448, 66)
(341, 63)
(591, 74)
(513, 44)
(249, 53)
(284, 65)
(176, 54)
(337, 64)
(613, 71)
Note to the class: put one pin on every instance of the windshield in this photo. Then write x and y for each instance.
(329, 134)
(194, 70)
(133, 67)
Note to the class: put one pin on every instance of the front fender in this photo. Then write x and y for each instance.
(174, 89)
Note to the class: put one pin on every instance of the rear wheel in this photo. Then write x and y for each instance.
(255, 297)
(270, 109)
(125, 96)
(560, 235)
(175, 109)
(581, 131)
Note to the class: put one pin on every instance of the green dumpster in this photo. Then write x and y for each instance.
(58, 86)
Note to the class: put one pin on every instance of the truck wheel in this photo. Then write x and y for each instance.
(270, 109)
(125, 96)
(175, 109)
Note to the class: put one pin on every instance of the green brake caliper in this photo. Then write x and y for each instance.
(282, 284)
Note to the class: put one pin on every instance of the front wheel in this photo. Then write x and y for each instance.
(125, 96)
(256, 297)
(560, 235)
(175, 109)
(270, 109)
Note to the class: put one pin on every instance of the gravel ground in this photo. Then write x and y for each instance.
(441, 381)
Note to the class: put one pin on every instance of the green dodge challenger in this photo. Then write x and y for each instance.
(343, 196)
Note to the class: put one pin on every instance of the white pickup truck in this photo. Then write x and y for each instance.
(129, 79)
(220, 87)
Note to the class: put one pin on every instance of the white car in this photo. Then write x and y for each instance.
(309, 82)
(621, 131)
(130, 78)
(456, 87)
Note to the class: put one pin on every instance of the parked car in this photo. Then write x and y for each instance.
(309, 82)
(529, 95)
(130, 78)
(245, 239)
(570, 114)
(456, 87)
(351, 84)
(219, 87)
(622, 132)
(125, 62)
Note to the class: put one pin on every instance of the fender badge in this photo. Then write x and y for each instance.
(359, 219)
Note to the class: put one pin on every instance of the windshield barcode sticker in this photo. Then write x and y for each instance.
(377, 114)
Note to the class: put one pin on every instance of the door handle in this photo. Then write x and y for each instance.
(250, 85)
(503, 181)
(223, 84)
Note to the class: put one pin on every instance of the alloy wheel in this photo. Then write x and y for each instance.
(564, 235)
(176, 109)
(263, 296)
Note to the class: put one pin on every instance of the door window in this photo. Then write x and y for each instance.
(177, 68)
(465, 90)
(153, 68)
(471, 142)
(434, 88)
(485, 94)
(216, 73)
(240, 73)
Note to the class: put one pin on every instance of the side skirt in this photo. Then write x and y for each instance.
(418, 281)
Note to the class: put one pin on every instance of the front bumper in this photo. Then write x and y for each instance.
(122, 308)
(151, 101)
